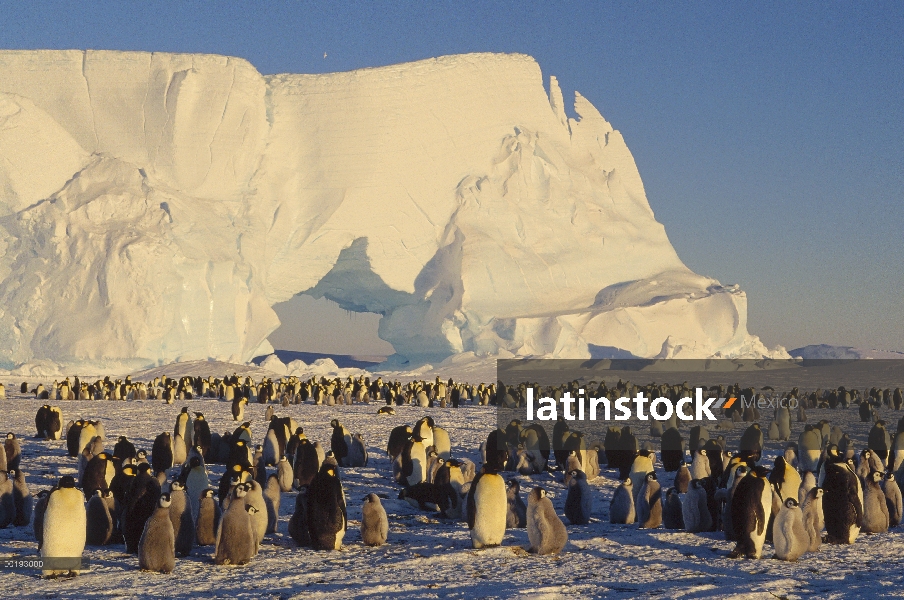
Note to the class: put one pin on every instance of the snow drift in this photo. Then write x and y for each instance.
(155, 206)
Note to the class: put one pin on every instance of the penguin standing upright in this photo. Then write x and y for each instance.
(842, 503)
(236, 542)
(298, 522)
(649, 503)
(284, 474)
(789, 536)
(13, 452)
(813, 518)
(340, 442)
(64, 525)
(486, 508)
(162, 453)
(23, 502)
(621, 507)
(672, 515)
(99, 521)
(272, 498)
(207, 519)
(751, 508)
(810, 448)
(545, 530)
(307, 463)
(694, 509)
(181, 517)
(727, 526)
(875, 509)
(672, 449)
(327, 514)
(785, 479)
(892, 499)
(579, 501)
(516, 515)
(157, 548)
(414, 461)
(374, 522)
(682, 478)
(254, 496)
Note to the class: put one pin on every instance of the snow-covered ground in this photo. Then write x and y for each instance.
(428, 557)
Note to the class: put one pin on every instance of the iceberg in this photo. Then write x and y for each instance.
(155, 206)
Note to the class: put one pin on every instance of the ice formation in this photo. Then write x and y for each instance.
(155, 206)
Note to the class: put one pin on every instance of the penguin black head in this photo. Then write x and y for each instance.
(208, 493)
(791, 503)
(10, 436)
(199, 416)
(250, 509)
(334, 423)
(129, 470)
(67, 481)
(144, 468)
(142, 454)
(877, 476)
(299, 431)
(889, 476)
(185, 410)
(513, 483)
(651, 476)
(164, 501)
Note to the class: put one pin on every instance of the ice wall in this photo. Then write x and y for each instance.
(155, 206)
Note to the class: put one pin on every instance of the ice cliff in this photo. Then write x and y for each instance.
(155, 206)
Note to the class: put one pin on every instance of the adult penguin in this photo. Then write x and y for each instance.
(157, 548)
(726, 494)
(64, 526)
(789, 536)
(184, 427)
(579, 501)
(327, 514)
(486, 508)
(842, 503)
(751, 508)
(162, 453)
(715, 453)
(124, 449)
(642, 464)
(751, 444)
(497, 452)
(879, 441)
(307, 463)
(140, 505)
(340, 441)
(649, 503)
(398, 437)
(73, 435)
(785, 479)
(201, 435)
(810, 447)
(414, 462)
(98, 474)
(672, 450)
(545, 530)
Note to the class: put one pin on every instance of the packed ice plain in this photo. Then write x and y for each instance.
(154, 207)
(430, 557)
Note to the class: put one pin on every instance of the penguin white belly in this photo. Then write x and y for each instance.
(491, 503)
(418, 464)
(65, 526)
(760, 538)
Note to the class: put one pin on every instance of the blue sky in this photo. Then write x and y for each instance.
(769, 136)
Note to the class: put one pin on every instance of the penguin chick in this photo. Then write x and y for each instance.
(374, 522)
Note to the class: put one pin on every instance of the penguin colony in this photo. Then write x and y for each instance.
(163, 506)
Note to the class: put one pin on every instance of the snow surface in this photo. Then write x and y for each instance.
(155, 206)
(428, 557)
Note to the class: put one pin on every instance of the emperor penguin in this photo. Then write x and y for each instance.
(892, 500)
(157, 548)
(357, 452)
(162, 453)
(13, 452)
(340, 441)
(649, 503)
(751, 507)
(672, 510)
(682, 478)
(727, 494)
(424, 430)
(65, 525)
(284, 474)
(807, 483)
(23, 501)
(694, 509)
(810, 448)
(398, 437)
(254, 496)
(879, 441)
(621, 507)
(207, 519)
(813, 518)
(672, 449)
(327, 513)
(181, 517)
(238, 408)
(842, 503)
(184, 427)
(785, 479)
(875, 509)
(307, 463)
(642, 465)
(516, 515)
(545, 530)
(374, 522)
(38, 523)
(486, 508)
(272, 497)
(236, 542)
(414, 461)
(271, 453)
(99, 520)
(579, 501)
(443, 444)
(789, 536)
(298, 522)
(700, 469)
(196, 483)
(751, 443)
